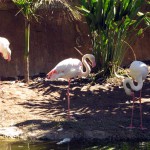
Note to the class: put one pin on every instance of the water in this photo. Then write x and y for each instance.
(13, 145)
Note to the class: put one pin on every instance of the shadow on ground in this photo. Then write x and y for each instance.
(101, 111)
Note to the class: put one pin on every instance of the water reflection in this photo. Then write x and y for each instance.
(13, 145)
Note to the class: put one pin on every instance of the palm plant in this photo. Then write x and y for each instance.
(112, 23)
(28, 8)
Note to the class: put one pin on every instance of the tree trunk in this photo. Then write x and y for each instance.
(26, 52)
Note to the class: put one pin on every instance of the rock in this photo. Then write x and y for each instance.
(61, 129)
(65, 140)
(11, 131)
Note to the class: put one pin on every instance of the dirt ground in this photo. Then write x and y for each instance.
(101, 110)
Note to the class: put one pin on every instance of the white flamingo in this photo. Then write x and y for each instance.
(138, 72)
(4, 48)
(71, 68)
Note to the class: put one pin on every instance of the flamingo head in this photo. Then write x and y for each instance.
(4, 49)
(128, 92)
(92, 60)
(52, 75)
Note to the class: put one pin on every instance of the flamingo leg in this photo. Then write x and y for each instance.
(131, 124)
(68, 95)
(141, 116)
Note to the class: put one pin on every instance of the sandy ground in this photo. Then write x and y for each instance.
(101, 110)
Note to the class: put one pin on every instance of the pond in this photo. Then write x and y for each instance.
(13, 145)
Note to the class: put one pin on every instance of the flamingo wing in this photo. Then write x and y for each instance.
(68, 68)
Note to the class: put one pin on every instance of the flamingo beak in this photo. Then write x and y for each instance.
(7, 54)
(93, 64)
(9, 58)
(48, 76)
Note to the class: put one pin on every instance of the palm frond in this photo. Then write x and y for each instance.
(62, 4)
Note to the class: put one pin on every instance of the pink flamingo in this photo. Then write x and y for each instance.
(71, 68)
(139, 72)
(4, 48)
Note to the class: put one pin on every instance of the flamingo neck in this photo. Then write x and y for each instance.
(87, 67)
(133, 86)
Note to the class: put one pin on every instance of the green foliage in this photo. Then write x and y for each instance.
(112, 22)
(28, 7)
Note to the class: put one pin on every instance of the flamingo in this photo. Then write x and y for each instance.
(138, 72)
(4, 48)
(71, 68)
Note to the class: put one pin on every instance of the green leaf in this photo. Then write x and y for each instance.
(112, 22)
(82, 8)
(140, 31)
(147, 21)
(140, 13)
